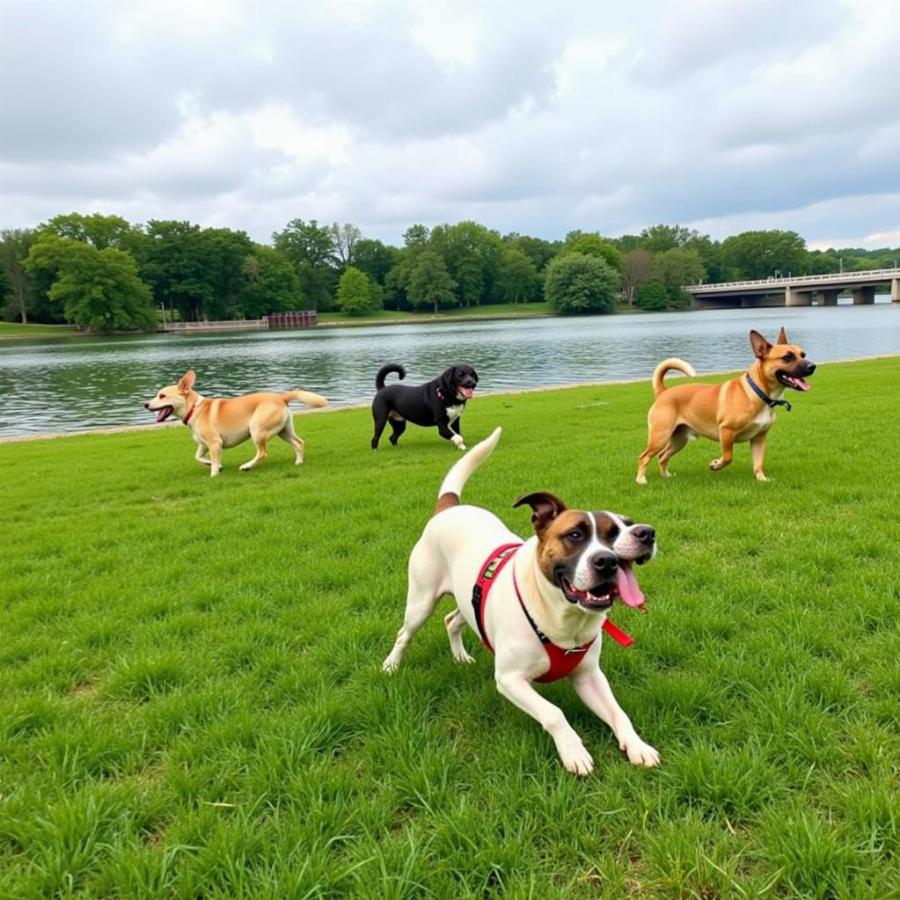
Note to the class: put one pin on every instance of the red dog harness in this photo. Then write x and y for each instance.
(562, 660)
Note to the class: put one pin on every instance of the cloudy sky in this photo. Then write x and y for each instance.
(528, 116)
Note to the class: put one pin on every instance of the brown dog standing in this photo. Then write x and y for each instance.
(224, 422)
(742, 409)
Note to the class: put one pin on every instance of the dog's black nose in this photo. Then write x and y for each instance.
(645, 534)
(810, 368)
(146, 406)
(605, 564)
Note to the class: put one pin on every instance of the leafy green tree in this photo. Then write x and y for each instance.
(225, 251)
(675, 269)
(659, 238)
(176, 266)
(429, 282)
(578, 283)
(652, 296)
(539, 251)
(416, 236)
(97, 289)
(98, 230)
(763, 254)
(356, 293)
(591, 244)
(310, 247)
(375, 259)
(518, 280)
(472, 255)
(268, 284)
(14, 246)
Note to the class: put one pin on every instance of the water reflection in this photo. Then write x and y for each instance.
(67, 385)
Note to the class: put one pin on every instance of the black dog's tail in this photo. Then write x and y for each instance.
(384, 371)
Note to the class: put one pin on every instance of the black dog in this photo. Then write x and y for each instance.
(440, 402)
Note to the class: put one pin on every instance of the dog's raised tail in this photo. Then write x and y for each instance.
(455, 480)
(384, 371)
(307, 397)
(673, 362)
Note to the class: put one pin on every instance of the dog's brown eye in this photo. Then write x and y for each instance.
(575, 535)
(162, 396)
(788, 357)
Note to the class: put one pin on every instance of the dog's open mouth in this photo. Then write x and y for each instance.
(601, 597)
(466, 393)
(795, 382)
(164, 413)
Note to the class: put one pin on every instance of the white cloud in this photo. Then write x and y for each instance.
(719, 115)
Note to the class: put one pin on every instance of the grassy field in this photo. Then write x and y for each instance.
(191, 703)
(14, 330)
(392, 317)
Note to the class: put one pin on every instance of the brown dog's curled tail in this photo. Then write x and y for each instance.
(307, 397)
(451, 487)
(673, 362)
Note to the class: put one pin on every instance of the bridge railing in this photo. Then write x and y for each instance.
(878, 275)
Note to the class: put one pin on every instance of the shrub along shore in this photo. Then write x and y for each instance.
(191, 700)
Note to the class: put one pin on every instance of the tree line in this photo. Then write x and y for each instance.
(102, 273)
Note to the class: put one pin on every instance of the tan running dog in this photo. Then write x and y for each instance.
(742, 409)
(226, 422)
(549, 599)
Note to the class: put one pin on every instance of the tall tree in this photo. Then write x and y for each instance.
(96, 229)
(675, 269)
(472, 255)
(430, 284)
(356, 293)
(176, 266)
(763, 254)
(97, 289)
(592, 244)
(579, 283)
(14, 246)
(636, 272)
(268, 284)
(310, 247)
(344, 238)
(374, 258)
(518, 280)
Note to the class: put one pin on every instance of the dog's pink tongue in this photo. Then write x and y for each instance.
(468, 393)
(629, 592)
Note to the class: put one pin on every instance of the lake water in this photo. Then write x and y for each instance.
(70, 384)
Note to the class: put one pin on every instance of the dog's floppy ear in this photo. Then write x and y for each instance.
(187, 381)
(759, 344)
(782, 337)
(544, 508)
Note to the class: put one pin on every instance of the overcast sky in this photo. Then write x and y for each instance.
(528, 116)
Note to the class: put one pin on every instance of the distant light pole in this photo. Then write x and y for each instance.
(842, 265)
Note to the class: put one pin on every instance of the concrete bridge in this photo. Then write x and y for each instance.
(798, 290)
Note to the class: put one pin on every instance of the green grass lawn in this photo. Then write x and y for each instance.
(392, 317)
(13, 330)
(191, 701)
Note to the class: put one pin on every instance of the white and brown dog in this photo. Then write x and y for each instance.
(550, 599)
(225, 422)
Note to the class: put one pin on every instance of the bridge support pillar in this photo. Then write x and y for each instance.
(895, 290)
(829, 298)
(863, 295)
(795, 297)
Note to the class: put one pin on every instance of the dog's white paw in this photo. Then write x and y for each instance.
(760, 476)
(641, 479)
(574, 756)
(462, 657)
(639, 753)
(391, 664)
(716, 464)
